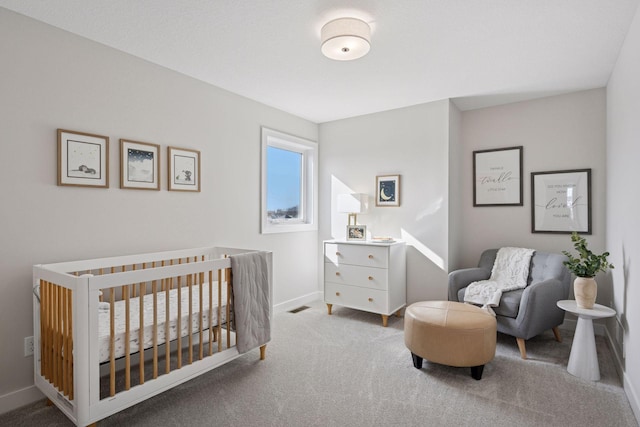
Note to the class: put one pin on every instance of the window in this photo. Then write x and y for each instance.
(289, 175)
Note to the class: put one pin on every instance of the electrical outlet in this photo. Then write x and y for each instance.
(28, 346)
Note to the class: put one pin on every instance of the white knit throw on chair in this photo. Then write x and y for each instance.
(510, 271)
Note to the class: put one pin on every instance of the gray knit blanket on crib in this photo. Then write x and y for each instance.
(251, 299)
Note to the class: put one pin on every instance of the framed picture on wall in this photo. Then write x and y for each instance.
(561, 201)
(388, 190)
(139, 165)
(83, 159)
(497, 177)
(184, 169)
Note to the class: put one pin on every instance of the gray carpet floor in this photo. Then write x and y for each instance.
(347, 370)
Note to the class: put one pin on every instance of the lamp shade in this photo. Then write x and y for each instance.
(344, 39)
(352, 203)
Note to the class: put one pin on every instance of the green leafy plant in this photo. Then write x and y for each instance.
(587, 264)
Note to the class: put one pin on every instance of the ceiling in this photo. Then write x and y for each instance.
(477, 52)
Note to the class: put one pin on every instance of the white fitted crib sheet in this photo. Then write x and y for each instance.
(134, 325)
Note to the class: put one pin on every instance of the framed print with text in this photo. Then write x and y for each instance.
(497, 177)
(561, 201)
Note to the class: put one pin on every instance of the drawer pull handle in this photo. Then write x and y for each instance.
(370, 277)
(370, 299)
(370, 256)
(337, 294)
(338, 254)
(337, 273)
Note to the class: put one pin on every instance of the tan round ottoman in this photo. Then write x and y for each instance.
(450, 333)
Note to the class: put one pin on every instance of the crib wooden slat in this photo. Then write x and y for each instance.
(67, 343)
(154, 288)
(167, 329)
(229, 288)
(127, 338)
(201, 310)
(44, 328)
(210, 312)
(52, 334)
(179, 319)
(112, 342)
(141, 329)
(58, 326)
(190, 326)
(49, 305)
(70, 342)
(63, 340)
(219, 310)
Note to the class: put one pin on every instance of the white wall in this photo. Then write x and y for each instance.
(557, 133)
(51, 79)
(623, 205)
(456, 189)
(412, 142)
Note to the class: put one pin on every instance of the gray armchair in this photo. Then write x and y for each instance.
(523, 313)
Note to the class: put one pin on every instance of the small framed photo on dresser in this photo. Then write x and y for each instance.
(356, 232)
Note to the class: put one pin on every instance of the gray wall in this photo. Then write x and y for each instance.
(557, 133)
(456, 203)
(623, 205)
(52, 79)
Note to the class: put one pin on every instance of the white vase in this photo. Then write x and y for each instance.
(585, 290)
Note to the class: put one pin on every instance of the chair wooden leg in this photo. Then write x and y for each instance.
(523, 350)
(263, 352)
(556, 333)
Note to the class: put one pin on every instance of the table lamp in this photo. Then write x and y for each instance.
(353, 204)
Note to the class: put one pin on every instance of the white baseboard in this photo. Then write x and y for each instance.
(297, 302)
(19, 398)
(618, 360)
(632, 396)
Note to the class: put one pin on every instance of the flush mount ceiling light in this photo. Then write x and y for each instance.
(345, 39)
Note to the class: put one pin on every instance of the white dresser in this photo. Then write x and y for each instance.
(365, 275)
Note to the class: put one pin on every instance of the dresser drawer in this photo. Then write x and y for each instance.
(364, 255)
(364, 277)
(371, 300)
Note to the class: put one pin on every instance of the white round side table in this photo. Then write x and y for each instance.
(583, 360)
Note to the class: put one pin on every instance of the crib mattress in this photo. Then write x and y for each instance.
(134, 316)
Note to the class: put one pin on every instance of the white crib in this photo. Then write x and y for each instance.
(87, 316)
